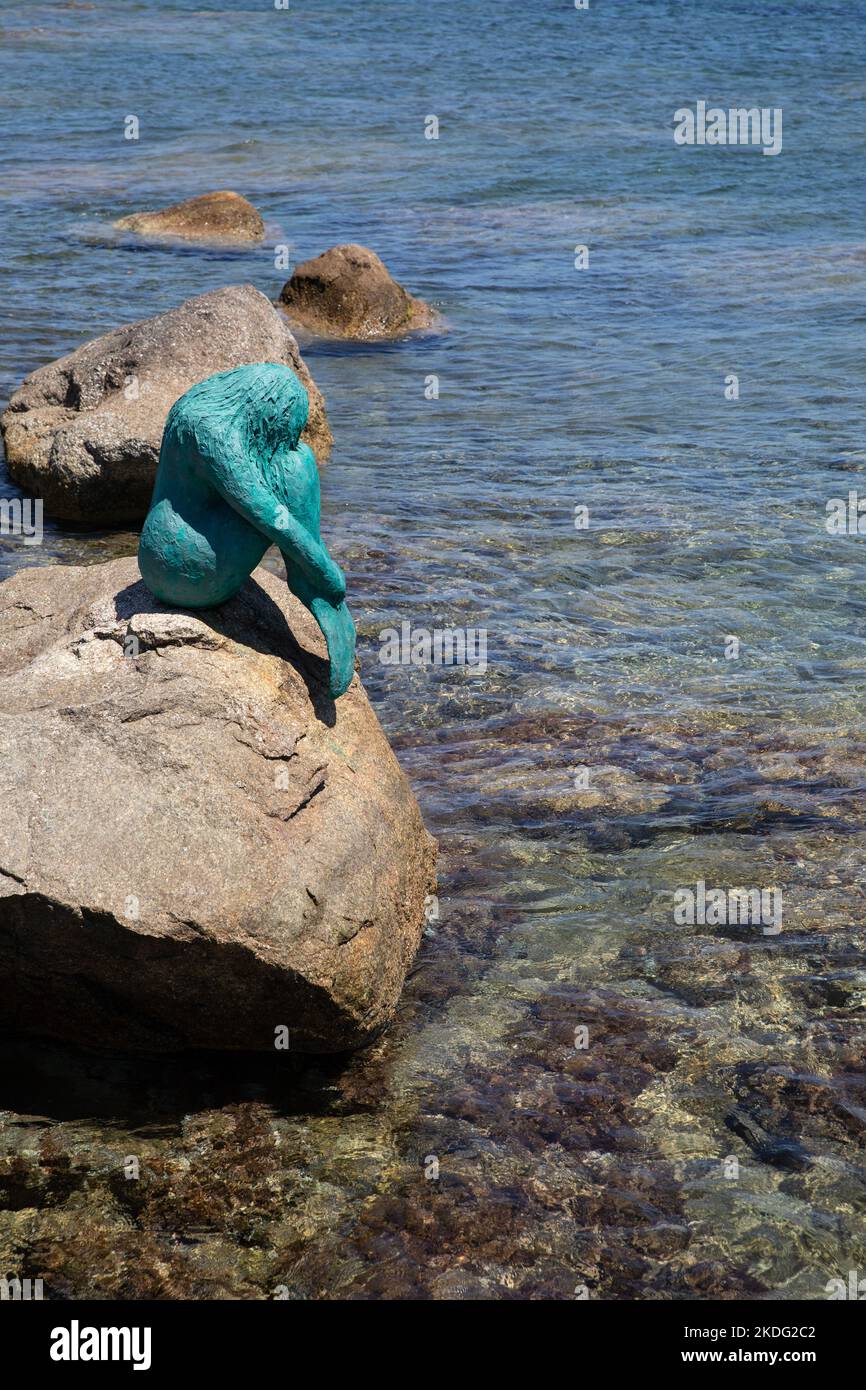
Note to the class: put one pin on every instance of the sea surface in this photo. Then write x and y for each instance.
(708, 1140)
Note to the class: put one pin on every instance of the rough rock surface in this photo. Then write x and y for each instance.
(83, 433)
(347, 293)
(222, 216)
(197, 847)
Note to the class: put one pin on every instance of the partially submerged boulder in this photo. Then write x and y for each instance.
(348, 293)
(83, 433)
(222, 216)
(198, 848)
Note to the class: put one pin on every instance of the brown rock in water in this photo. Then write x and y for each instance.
(347, 293)
(197, 846)
(83, 433)
(223, 216)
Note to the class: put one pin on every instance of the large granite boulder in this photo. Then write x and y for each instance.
(347, 292)
(222, 216)
(198, 848)
(83, 433)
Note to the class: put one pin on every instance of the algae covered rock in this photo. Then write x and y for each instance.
(199, 848)
(348, 293)
(222, 216)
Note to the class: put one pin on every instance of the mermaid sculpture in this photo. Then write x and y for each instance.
(232, 480)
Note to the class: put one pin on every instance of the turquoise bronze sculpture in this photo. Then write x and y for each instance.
(232, 480)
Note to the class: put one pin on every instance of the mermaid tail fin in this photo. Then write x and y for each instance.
(339, 633)
(335, 622)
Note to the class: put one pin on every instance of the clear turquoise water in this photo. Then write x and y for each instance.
(559, 387)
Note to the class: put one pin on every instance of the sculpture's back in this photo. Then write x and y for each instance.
(232, 480)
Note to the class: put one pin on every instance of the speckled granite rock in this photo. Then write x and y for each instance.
(83, 433)
(198, 847)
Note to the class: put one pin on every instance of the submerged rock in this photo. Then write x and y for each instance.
(781, 1152)
(83, 433)
(198, 847)
(222, 216)
(348, 293)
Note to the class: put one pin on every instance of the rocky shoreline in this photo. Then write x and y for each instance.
(707, 1145)
(225, 857)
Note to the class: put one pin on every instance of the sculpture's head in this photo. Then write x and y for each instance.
(264, 404)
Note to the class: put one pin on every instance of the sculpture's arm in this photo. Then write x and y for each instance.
(239, 484)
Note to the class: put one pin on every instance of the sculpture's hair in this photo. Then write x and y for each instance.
(260, 407)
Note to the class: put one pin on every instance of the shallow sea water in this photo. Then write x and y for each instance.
(710, 1139)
